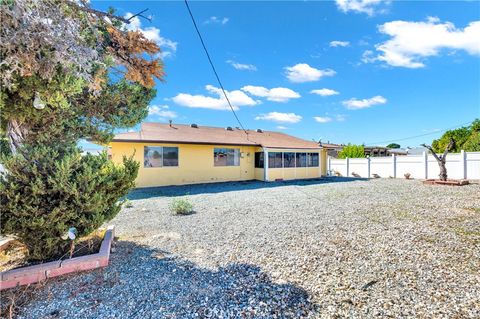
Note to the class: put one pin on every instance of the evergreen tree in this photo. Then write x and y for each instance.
(68, 72)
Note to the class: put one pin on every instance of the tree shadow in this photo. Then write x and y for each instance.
(222, 187)
(142, 282)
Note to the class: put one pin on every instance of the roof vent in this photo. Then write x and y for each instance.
(194, 125)
(229, 128)
(259, 130)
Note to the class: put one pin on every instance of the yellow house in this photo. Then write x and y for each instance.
(177, 154)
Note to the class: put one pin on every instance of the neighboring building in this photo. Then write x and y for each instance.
(398, 151)
(375, 151)
(369, 151)
(176, 154)
(332, 149)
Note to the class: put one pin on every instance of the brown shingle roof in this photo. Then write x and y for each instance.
(180, 133)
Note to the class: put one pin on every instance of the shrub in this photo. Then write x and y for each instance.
(181, 206)
(352, 151)
(47, 189)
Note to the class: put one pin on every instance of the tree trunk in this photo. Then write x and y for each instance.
(443, 171)
(16, 133)
(441, 159)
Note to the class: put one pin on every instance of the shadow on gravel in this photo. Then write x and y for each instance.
(213, 188)
(142, 282)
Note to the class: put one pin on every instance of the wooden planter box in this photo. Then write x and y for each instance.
(447, 182)
(36, 273)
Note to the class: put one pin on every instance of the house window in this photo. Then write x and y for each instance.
(275, 160)
(157, 156)
(288, 159)
(226, 157)
(170, 156)
(301, 159)
(259, 159)
(312, 160)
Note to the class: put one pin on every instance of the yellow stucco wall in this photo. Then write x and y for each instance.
(196, 165)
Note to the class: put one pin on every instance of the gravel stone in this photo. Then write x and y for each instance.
(336, 248)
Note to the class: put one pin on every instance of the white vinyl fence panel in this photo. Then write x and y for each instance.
(463, 165)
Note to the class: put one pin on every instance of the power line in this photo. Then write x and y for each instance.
(213, 67)
(408, 138)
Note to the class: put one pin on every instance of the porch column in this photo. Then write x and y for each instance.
(265, 164)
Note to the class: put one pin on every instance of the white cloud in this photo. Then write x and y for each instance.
(368, 56)
(161, 111)
(412, 42)
(280, 117)
(356, 104)
(168, 46)
(303, 72)
(339, 44)
(370, 7)
(237, 98)
(324, 92)
(280, 127)
(216, 20)
(241, 66)
(340, 118)
(322, 119)
(276, 94)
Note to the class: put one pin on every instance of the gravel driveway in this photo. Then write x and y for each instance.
(321, 249)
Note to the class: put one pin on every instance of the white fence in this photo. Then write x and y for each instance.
(463, 165)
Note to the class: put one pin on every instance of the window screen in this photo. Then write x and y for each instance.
(288, 159)
(312, 160)
(275, 160)
(301, 159)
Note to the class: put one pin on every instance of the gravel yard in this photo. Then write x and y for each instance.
(320, 249)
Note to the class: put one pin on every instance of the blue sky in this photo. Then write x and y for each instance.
(347, 71)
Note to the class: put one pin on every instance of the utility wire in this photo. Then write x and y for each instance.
(213, 67)
(408, 138)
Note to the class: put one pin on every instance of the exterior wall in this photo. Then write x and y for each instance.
(195, 165)
(259, 174)
(291, 173)
(463, 165)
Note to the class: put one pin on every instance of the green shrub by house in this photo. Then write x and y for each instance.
(48, 189)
